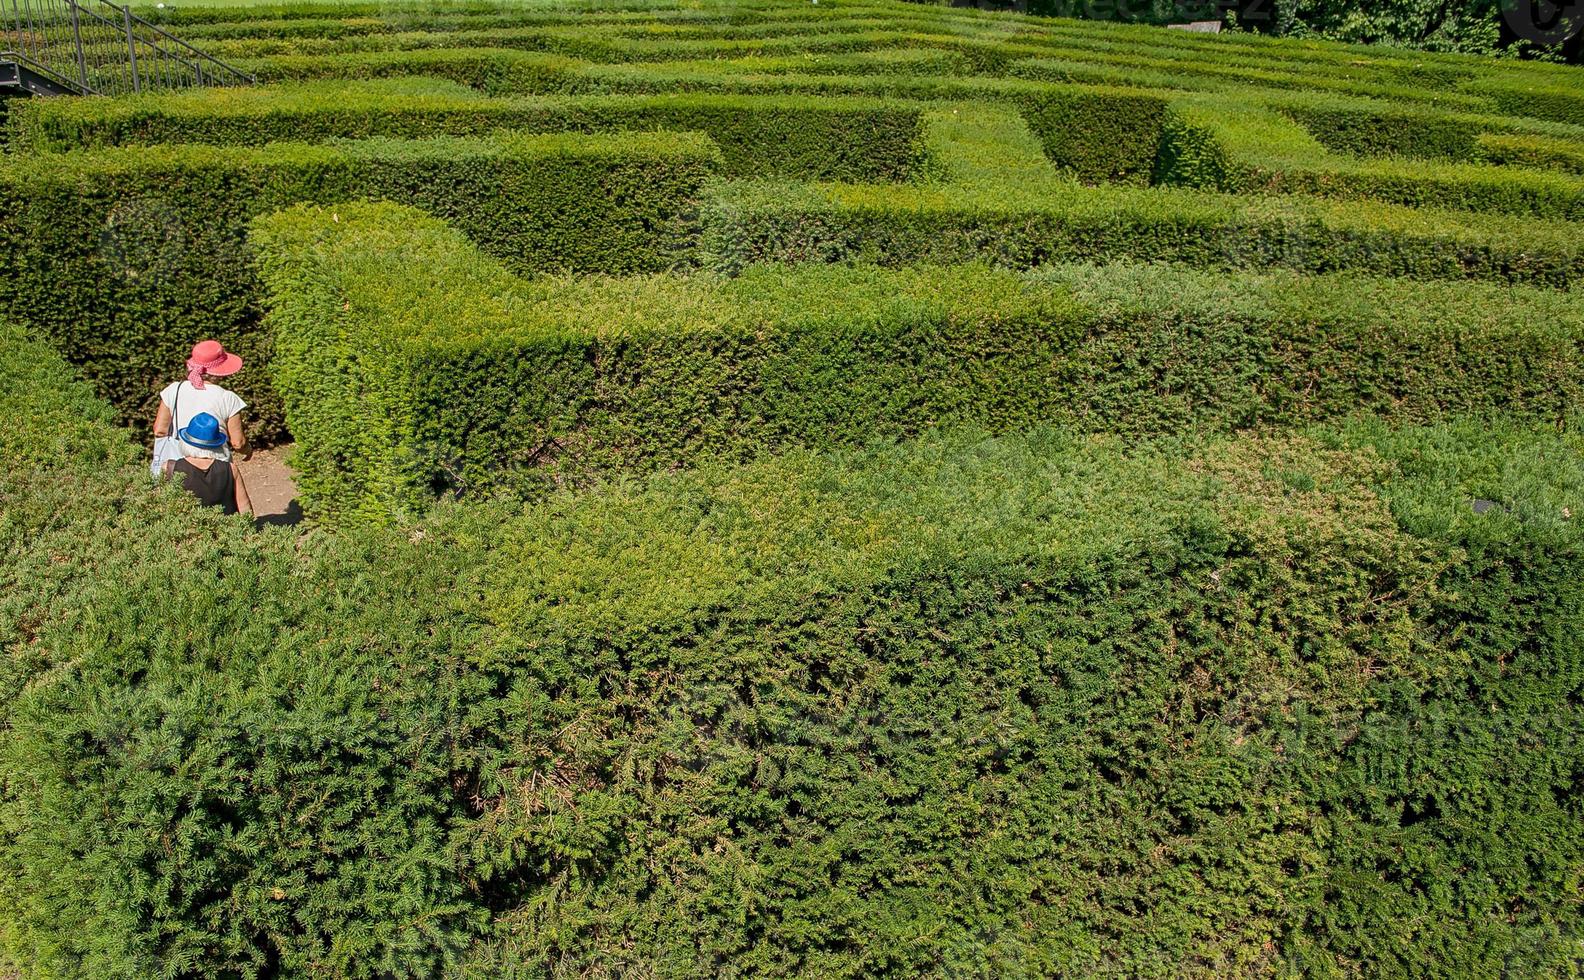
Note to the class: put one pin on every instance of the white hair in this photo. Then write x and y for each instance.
(198, 452)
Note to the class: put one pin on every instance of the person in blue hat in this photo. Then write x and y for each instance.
(205, 470)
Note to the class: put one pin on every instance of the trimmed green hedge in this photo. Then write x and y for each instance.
(788, 222)
(1556, 98)
(124, 258)
(53, 419)
(1052, 704)
(343, 16)
(1131, 65)
(886, 61)
(1521, 150)
(250, 115)
(745, 77)
(1068, 71)
(671, 33)
(1032, 706)
(1244, 148)
(600, 41)
(565, 379)
(580, 43)
(510, 60)
(795, 136)
(1022, 221)
(489, 70)
(1098, 134)
(1388, 131)
(331, 24)
(990, 47)
(1169, 349)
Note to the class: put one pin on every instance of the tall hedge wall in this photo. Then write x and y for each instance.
(124, 258)
(793, 136)
(571, 377)
(1546, 153)
(1556, 98)
(1099, 135)
(979, 212)
(488, 69)
(1031, 706)
(1387, 131)
(381, 318)
(1245, 148)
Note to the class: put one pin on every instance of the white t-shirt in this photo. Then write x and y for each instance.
(215, 400)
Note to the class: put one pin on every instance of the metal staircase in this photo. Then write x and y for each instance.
(95, 47)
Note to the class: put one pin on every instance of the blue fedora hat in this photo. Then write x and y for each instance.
(203, 431)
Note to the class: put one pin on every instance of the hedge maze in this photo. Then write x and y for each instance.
(838, 490)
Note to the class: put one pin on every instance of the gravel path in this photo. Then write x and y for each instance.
(271, 487)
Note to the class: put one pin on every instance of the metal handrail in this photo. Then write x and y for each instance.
(100, 47)
(201, 57)
(49, 73)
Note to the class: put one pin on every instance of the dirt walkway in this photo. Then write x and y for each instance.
(271, 487)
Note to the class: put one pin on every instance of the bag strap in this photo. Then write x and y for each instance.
(175, 406)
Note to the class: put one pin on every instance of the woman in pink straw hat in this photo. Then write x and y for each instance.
(182, 401)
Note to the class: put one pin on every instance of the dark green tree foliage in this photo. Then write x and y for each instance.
(1012, 707)
(1473, 26)
(1483, 27)
(1462, 25)
(1136, 11)
(124, 258)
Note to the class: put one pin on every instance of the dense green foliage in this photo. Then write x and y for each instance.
(1556, 98)
(996, 198)
(1019, 707)
(1533, 151)
(54, 420)
(1218, 144)
(1471, 26)
(380, 316)
(796, 96)
(1476, 26)
(847, 139)
(1180, 577)
(1100, 135)
(493, 70)
(1388, 132)
(126, 257)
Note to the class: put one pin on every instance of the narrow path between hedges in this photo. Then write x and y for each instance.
(272, 487)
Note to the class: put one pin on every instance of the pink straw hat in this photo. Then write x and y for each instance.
(212, 359)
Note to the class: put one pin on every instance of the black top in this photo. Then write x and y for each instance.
(215, 487)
